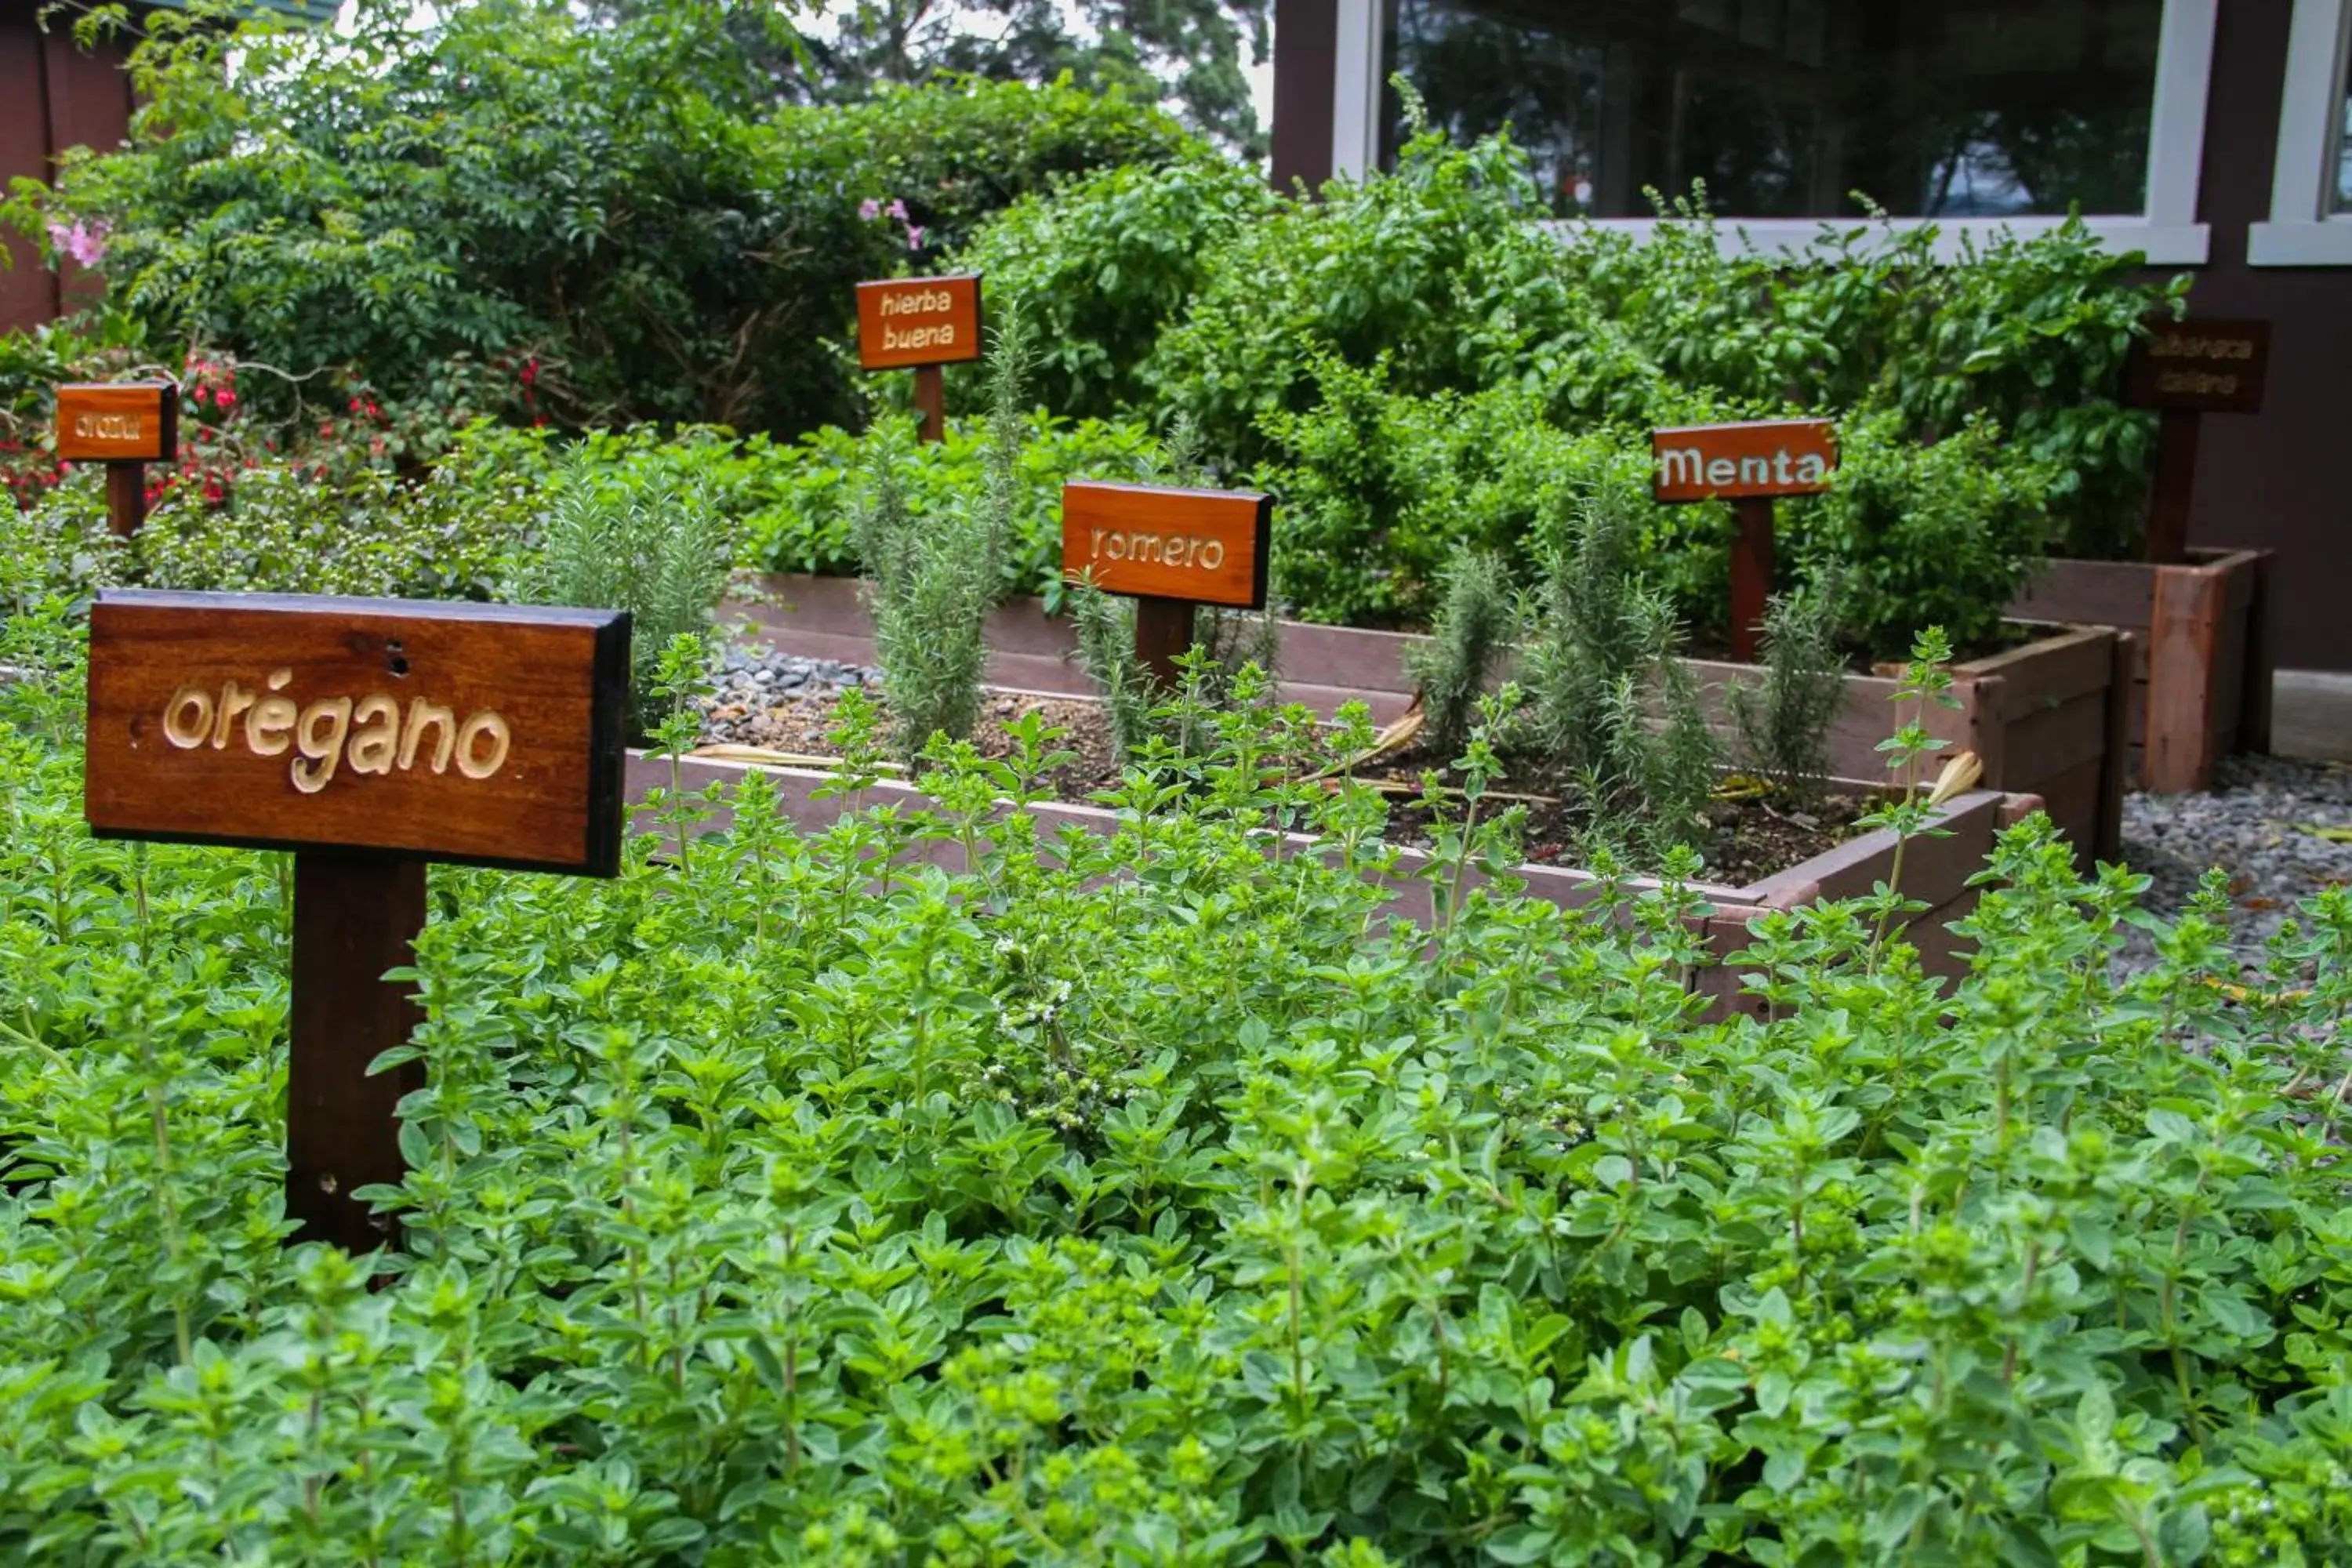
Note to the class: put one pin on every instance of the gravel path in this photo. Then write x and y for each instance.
(2252, 826)
(753, 681)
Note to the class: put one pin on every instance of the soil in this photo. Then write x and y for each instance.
(1748, 839)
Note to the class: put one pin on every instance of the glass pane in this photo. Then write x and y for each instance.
(1931, 108)
(2342, 201)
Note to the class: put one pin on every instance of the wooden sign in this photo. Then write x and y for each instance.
(2205, 365)
(1747, 465)
(119, 422)
(368, 735)
(1728, 462)
(1205, 547)
(491, 734)
(918, 321)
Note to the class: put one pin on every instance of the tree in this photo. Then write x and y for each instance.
(1187, 54)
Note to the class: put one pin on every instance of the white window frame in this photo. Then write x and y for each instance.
(2167, 232)
(2301, 232)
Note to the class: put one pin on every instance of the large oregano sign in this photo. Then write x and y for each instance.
(369, 736)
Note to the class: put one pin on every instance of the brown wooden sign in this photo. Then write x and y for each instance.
(1204, 547)
(918, 321)
(491, 734)
(1727, 462)
(119, 422)
(2205, 365)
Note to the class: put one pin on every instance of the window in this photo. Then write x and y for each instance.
(2311, 181)
(1970, 113)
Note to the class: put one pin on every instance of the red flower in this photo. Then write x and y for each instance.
(530, 371)
(227, 399)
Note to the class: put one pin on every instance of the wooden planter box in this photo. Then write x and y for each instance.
(1936, 870)
(2045, 717)
(2201, 661)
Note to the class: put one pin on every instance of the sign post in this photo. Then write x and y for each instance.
(1747, 465)
(2188, 370)
(368, 736)
(1169, 550)
(925, 323)
(126, 425)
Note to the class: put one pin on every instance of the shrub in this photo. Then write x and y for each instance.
(1923, 535)
(1782, 718)
(930, 581)
(606, 215)
(1378, 489)
(1101, 266)
(657, 549)
(1613, 708)
(1438, 267)
(1475, 627)
(799, 500)
(1145, 1194)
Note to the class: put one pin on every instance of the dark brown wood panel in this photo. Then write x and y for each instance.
(484, 733)
(28, 290)
(1205, 546)
(2202, 364)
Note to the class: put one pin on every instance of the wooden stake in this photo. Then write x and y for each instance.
(126, 498)
(2175, 485)
(1751, 574)
(931, 401)
(355, 916)
(1164, 630)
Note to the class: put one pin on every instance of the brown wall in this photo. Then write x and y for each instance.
(2261, 479)
(53, 96)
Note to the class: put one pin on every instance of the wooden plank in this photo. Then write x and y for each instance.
(2261, 661)
(1727, 462)
(1205, 546)
(478, 732)
(2087, 593)
(906, 321)
(118, 422)
(2181, 644)
(2075, 801)
(2047, 672)
(2125, 701)
(2228, 678)
(2042, 744)
(355, 917)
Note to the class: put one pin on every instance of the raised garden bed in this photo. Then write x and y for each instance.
(2044, 718)
(1935, 869)
(2201, 655)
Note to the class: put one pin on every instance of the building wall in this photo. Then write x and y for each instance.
(2261, 480)
(2265, 479)
(53, 96)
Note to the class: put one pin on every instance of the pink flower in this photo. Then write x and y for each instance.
(84, 242)
(869, 209)
(896, 209)
(914, 237)
(226, 398)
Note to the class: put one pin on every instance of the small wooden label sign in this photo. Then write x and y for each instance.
(1730, 462)
(487, 733)
(918, 321)
(2207, 366)
(119, 422)
(1206, 547)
